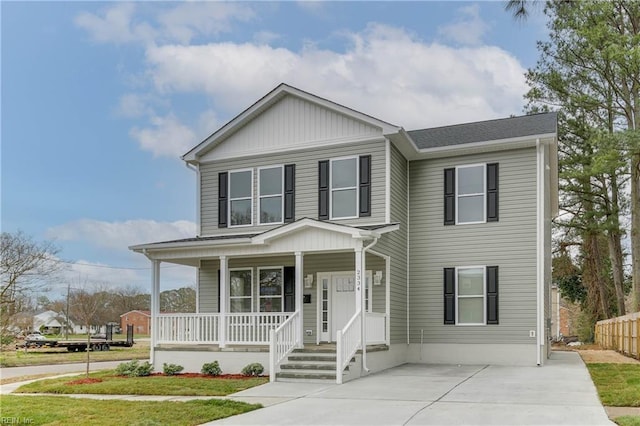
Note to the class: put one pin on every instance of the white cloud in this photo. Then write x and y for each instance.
(120, 235)
(468, 29)
(188, 20)
(116, 25)
(166, 136)
(385, 71)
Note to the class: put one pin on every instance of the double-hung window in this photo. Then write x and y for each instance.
(271, 200)
(471, 295)
(241, 197)
(471, 194)
(470, 201)
(470, 286)
(240, 290)
(344, 188)
(270, 282)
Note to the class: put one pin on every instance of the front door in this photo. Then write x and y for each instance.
(337, 303)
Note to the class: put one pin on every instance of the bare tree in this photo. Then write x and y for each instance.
(23, 265)
(87, 306)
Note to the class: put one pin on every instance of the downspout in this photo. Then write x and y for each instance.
(196, 169)
(539, 247)
(363, 310)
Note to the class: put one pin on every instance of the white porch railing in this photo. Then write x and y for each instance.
(347, 343)
(188, 328)
(242, 329)
(253, 328)
(282, 341)
(376, 328)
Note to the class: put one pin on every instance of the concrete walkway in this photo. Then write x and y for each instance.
(560, 393)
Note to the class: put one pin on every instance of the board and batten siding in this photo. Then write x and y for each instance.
(509, 243)
(306, 184)
(287, 124)
(394, 244)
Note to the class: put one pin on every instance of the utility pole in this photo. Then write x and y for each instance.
(66, 326)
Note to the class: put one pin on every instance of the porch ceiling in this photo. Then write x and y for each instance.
(305, 235)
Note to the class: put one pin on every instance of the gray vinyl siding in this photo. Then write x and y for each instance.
(312, 264)
(394, 244)
(306, 195)
(509, 243)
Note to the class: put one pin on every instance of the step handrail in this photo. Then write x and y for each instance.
(348, 341)
(282, 341)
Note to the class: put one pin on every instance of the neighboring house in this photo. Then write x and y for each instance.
(49, 322)
(318, 223)
(141, 321)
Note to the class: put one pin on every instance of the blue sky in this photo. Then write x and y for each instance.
(99, 100)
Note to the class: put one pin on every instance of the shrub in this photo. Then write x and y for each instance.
(211, 369)
(134, 369)
(171, 369)
(253, 369)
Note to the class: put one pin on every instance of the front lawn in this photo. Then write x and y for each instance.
(618, 384)
(57, 410)
(151, 385)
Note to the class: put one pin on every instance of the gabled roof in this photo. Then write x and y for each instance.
(483, 131)
(267, 101)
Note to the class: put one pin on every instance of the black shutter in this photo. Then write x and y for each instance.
(492, 295)
(323, 190)
(492, 192)
(222, 199)
(449, 295)
(289, 289)
(450, 196)
(289, 193)
(365, 185)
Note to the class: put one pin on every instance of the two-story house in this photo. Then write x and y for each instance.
(321, 227)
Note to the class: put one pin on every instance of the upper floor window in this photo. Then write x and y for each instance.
(471, 194)
(240, 197)
(344, 188)
(271, 201)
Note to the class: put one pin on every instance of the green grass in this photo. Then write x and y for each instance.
(618, 384)
(628, 420)
(56, 410)
(151, 385)
(21, 358)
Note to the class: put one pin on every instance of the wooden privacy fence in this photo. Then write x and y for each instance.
(621, 334)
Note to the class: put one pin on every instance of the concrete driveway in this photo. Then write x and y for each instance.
(560, 393)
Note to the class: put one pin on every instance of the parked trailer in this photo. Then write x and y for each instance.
(96, 344)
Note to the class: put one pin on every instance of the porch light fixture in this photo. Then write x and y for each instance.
(308, 281)
(377, 278)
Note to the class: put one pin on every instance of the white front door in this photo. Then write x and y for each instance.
(336, 303)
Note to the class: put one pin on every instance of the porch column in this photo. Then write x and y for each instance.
(224, 284)
(299, 298)
(155, 306)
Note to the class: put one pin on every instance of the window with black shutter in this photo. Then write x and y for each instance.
(492, 192)
(289, 193)
(471, 194)
(222, 199)
(323, 190)
(449, 296)
(365, 185)
(492, 295)
(450, 196)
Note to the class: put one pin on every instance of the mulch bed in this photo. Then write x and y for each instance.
(206, 376)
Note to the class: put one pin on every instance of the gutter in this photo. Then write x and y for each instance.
(539, 248)
(363, 310)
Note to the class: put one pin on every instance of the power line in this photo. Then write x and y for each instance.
(111, 267)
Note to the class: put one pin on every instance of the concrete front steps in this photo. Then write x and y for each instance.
(317, 364)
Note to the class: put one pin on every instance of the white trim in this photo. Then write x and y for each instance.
(483, 193)
(230, 172)
(250, 269)
(259, 196)
(347, 188)
(484, 295)
(408, 247)
(539, 249)
(260, 297)
(387, 181)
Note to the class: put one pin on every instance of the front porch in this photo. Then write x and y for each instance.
(294, 286)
